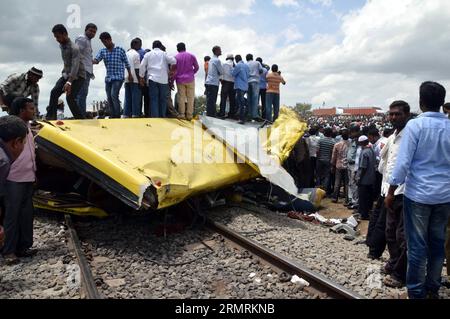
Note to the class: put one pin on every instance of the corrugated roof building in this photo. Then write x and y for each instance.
(362, 111)
(325, 112)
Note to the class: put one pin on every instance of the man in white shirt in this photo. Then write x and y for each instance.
(228, 92)
(133, 94)
(156, 64)
(378, 143)
(313, 146)
(389, 225)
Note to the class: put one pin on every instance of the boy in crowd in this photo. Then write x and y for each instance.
(366, 178)
(12, 138)
(19, 191)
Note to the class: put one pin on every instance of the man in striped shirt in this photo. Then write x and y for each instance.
(116, 62)
(20, 85)
(324, 154)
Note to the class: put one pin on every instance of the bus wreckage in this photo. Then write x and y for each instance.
(153, 164)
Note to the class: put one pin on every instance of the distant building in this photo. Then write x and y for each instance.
(325, 112)
(357, 111)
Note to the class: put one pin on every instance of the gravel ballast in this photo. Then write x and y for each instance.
(52, 274)
(315, 247)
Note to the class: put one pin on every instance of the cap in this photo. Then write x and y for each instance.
(37, 72)
(363, 139)
(230, 56)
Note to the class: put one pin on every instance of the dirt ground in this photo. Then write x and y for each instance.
(331, 210)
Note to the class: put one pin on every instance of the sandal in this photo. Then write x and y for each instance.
(391, 282)
(11, 260)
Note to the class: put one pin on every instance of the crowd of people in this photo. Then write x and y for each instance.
(149, 76)
(394, 169)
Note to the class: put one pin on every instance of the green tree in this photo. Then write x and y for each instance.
(199, 105)
(303, 108)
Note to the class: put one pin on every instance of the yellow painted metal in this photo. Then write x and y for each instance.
(178, 158)
(285, 133)
(77, 211)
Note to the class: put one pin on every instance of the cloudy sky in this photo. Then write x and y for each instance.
(337, 52)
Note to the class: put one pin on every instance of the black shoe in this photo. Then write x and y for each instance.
(370, 256)
(26, 253)
(433, 296)
(11, 260)
(242, 122)
(446, 283)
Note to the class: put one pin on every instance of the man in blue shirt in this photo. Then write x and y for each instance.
(256, 70)
(215, 71)
(241, 73)
(115, 61)
(263, 86)
(423, 164)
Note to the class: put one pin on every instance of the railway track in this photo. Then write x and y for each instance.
(87, 280)
(319, 285)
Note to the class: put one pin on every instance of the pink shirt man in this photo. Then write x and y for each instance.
(187, 67)
(23, 170)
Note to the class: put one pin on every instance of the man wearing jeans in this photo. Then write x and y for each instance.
(115, 62)
(156, 66)
(215, 71)
(274, 80)
(133, 98)
(241, 73)
(423, 164)
(263, 87)
(84, 43)
(72, 78)
(256, 70)
(228, 92)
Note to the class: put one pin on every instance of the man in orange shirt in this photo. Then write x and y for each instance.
(274, 80)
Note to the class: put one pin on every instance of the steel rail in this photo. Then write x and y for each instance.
(87, 278)
(317, 281)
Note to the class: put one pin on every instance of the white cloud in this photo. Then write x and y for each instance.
(292, 34)
(382, 51)
(285, 3)
(325, 3)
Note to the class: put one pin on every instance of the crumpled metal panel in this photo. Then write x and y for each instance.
(265, 149)
(171, 159)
